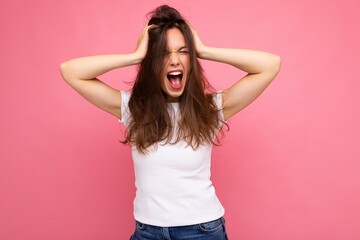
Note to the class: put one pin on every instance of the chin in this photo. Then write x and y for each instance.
(173, 97)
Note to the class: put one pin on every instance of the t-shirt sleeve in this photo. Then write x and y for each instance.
(218, 101)
(125, 112)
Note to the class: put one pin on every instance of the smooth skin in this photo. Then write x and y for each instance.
(177, 59)
(262, 67)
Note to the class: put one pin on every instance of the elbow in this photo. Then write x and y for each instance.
(64, 70)
(273, 67)
(273, 64)
(276, 63)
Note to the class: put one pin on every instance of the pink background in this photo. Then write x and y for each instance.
(288, 167)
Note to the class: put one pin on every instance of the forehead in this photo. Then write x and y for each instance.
(175, 39)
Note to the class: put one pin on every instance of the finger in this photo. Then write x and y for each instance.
(150, 27)
(146, 29)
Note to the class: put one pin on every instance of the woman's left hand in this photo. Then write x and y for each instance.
(198, 43)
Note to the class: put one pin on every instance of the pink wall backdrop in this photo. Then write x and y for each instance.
(288, 168)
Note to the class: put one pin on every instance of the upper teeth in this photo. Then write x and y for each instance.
(174, 73)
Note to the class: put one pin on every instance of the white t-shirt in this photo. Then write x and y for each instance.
(173, 186)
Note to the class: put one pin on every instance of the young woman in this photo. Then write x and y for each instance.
(172, 117)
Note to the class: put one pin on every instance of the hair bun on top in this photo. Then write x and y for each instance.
(164, 15)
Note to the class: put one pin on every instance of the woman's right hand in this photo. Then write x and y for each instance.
(82, 74)
(143, 41)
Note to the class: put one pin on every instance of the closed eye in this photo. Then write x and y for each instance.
(183, 50)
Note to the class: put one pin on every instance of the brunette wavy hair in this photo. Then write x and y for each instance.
(150, 121)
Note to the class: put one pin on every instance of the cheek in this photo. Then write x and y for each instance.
(165, 61)
(186, 62)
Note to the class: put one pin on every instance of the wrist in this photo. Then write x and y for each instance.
(203, 52)
(137, 57)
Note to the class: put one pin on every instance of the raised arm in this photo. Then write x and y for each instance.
(82, 75)
(262, 68)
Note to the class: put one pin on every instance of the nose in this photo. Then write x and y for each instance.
(174, 59)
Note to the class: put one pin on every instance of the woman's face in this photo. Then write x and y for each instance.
(176, 64)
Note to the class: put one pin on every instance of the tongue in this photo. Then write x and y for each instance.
(175, 82)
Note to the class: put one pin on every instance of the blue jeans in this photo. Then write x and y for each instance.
(213, 230)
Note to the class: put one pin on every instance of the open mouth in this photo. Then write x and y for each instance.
(175, 78)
